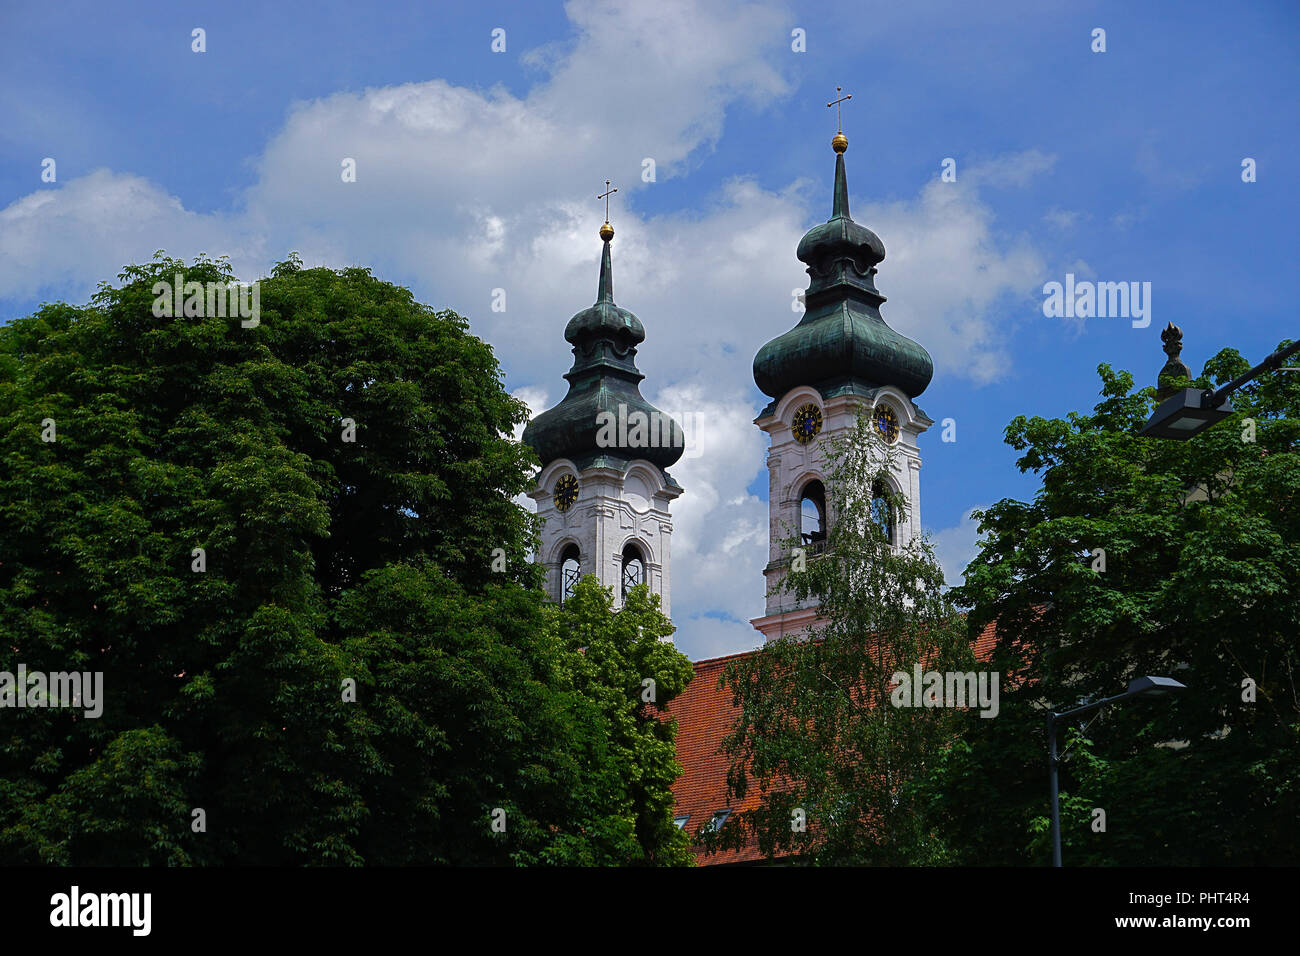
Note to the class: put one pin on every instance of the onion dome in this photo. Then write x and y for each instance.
(603, 421)
(842, 343)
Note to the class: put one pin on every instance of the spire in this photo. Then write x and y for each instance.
(840, 209)
(605, 291)
(840, 143)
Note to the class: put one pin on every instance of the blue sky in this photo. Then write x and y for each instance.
(478, 170)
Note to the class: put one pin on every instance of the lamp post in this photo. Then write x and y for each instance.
(1138, 687)
(1193, 410)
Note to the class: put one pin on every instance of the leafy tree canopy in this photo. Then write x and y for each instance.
(1142, 556)
(396, 560)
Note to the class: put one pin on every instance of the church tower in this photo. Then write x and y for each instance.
(603, 491)
(840, 358)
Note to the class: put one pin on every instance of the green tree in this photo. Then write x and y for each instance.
(1201, 548)
(202, 531)
(819, 730)
(626, 673)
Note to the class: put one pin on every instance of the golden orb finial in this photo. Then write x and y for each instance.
(607, 232)
(839, 142)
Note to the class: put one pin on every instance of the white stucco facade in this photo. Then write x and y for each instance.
(793, 465)
(613, 509)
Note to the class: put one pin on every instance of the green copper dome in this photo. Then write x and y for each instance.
(603, 421)
(842, 343)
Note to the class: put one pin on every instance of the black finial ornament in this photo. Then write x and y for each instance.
(1172, 337)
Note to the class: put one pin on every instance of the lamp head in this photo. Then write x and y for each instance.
(1183, 415)
(1153, 687)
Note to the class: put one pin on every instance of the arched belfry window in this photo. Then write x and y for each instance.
(570, 571)
(882, 512)
(812, 514)
(633, 568)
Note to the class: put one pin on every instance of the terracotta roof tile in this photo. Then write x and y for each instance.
(705, 714)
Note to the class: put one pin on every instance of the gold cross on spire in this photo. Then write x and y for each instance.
(839, 120)
(607, 231)
(839, 142)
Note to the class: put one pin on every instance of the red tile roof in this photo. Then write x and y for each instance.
(984, 643)
(705, 714)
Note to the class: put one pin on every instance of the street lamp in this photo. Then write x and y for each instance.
(1138, 687)
(1193, 410)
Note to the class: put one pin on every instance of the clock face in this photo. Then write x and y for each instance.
(886, 423)
(566, 493)
(807, 423)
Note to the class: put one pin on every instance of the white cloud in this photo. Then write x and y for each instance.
(719, 530)
(1064, 219)
(535, 399)
(700, 637)
(1010, 169)
(65, 240)
(1160, 170)
(1126, 218)
(1081, 270)
(957, 546)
